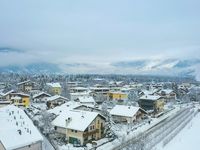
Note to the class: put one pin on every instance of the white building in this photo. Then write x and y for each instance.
(129, 114)
(74, 96)
(86, 100)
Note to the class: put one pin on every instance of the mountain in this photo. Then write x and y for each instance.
(167, 67)
(172, 67)
(35, 68)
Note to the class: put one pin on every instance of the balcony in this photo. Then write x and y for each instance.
(88, 133)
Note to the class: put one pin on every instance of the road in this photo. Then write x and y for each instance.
(151, 137)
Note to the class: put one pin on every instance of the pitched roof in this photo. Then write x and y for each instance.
(122, 110)
(150, 97)
(167, 91)
(41, 93)
(80, 120)
(52, 98)
(86, 99)
(54, 84)
(13, 120)
(23, 82)
(64, 107)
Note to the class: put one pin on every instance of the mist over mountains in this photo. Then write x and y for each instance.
(168, 67)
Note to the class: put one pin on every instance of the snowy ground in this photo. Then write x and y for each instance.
(135, 133)
(188, 138)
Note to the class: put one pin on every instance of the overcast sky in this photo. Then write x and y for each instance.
(102, 32)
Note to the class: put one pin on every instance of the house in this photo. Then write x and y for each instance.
(88, 108)
(56, 100)
(54, 88)
(167, 94)
(41, 97)
(20, 99)
(78, 89)
(152, 102)
(148, 92)
(74, 84)
(25, 86)
(80, 127)
(86, 100)
(7, 95)
(99, 90)
(128, 114)
(74, 96)
(17, 130)
(70, 105)
(118, 96)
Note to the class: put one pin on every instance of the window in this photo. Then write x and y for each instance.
(90, 127)
(72, 130)
(75, 131)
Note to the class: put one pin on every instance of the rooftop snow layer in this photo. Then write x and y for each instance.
(122, 110)
(80, 120)
(54, 84)
(13, 120)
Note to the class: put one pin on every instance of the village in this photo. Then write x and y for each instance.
(96, 113)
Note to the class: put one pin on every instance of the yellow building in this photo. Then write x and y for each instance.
(20, 99)
(54, 88)
(80, 127)
(117, 96)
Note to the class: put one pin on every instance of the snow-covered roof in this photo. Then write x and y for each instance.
(4, 94)
(122, 110)
(41, 93)
(99, 88)
(64, 107)
(150, 97)
(79, 120)
(79, 88)
(20, 94)
(54, 84)
(23, 82)
(16, 98)
(52, 98)
(149, 92)
(167, 91)
(86, 99)
(13, 121)
(79, 93)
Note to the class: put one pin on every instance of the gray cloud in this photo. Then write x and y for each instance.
(97, 37)
(8, 50)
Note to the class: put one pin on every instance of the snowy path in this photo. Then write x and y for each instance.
(116, 144)
(188, 138)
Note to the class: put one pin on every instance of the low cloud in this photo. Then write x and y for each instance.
(10, 50)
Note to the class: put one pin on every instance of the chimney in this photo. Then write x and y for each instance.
(20, 132)
(68, 120)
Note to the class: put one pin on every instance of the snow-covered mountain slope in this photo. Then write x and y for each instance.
(35, 68)
(167, 67)
(161, 67)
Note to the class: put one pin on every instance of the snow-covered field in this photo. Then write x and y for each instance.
(188, 138)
